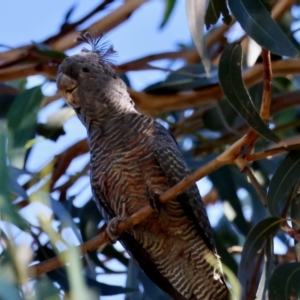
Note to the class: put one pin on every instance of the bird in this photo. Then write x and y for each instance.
(134, 159)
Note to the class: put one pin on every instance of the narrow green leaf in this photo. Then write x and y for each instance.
(195, 14)
(230, 76)
(169, 6)
(221, 117)
(259, 25)
(21, 121)
(46, 50)
(53, 54)
(282, 181)
(22, 115)
(254, 242)
(7, 96)
(214, 10)
(284, 282)
(6, 206)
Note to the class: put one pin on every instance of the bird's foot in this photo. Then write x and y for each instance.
(112, 228)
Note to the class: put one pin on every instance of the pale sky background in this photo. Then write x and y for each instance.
(23, 21)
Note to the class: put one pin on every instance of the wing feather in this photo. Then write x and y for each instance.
(172, 163)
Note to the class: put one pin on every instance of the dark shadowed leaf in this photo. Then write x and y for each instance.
(50, 131)
(254, 242)
(133, 281)
(22, 116)
(230, 76)
(282, 181)
(284, 282)
(220, 118)
(169, 6)
(259, 211)
(267, 269)
(110, 251)
(8, 211)
(181, 80)
(259, 25)
(151, 290)
(214, 10)
(295, 214)
(7, 96)
(223, 181)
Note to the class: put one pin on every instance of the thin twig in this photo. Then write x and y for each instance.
(266, 99)
(256, 185)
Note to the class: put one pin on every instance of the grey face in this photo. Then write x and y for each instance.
(91, 87)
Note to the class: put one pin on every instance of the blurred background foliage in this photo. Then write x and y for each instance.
(204, 103)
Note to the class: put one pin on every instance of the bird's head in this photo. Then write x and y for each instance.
(89, 84)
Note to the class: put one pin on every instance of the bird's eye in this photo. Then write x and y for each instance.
(86, 70)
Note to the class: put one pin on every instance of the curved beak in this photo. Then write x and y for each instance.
(65, 84)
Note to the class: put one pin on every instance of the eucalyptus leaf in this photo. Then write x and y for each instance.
(169, 7)
(282, 181)
(6, 207)
(295, 215)
(284, 282)
(214, 10)
(267, 269)
(223, 181)
(257, 22)
(183, 80)
(22, 119)
(254, 242)
(195, 14)
(8, 94)
(230, 76)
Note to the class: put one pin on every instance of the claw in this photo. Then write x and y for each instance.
(112, 228)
